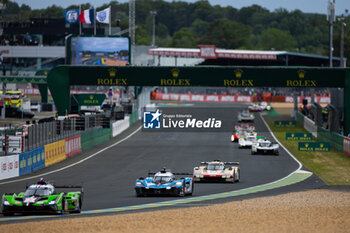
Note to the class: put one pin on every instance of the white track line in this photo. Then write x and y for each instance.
(74, 164)
(291, 155)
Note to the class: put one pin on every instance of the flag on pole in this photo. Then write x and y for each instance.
(87, 16)
(104, 15)
(71, 16)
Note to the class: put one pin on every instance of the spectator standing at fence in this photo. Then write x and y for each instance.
(110, 96)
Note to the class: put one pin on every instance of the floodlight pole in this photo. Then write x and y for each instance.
(330, 18)
(342, 25)
(153, 13)
(132, 28)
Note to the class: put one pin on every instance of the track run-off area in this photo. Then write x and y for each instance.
(108, 172)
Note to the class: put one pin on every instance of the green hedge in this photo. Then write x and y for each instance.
(95, 137)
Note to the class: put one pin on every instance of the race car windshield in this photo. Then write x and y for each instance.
(215, 167)
(264, 144)
(162, 179)
(37, 192)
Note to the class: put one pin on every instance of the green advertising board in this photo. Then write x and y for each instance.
(314, 146)
(88, 99)
(298, 136)
(285, 123)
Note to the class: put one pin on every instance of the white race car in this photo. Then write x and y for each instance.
(259, 107)
(249, 141)
(265, 147)
(245, 116)
(217, 171)
(245, 127)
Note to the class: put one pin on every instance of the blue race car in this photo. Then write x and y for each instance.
(164, 182)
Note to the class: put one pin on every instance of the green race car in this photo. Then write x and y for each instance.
(43, 198)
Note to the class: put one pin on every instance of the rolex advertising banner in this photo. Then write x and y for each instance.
(314, 146)
(298, 136)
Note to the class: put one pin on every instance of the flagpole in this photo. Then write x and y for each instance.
(79, 20)
(110, 20)
(95, 20)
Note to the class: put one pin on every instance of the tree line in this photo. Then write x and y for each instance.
(185, 25)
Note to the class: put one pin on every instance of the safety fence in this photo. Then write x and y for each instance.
(337, 141)
(55, 151)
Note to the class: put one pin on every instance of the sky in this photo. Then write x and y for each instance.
(307, 6)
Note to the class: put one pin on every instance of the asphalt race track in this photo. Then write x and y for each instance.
(109, 177)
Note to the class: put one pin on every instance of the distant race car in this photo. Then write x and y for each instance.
(248, 141)
(241, 134)
(244, 126)
(43, 198)
(164, 182)
(217, 171)
(265, 147)
(245, 116)
(259, 107)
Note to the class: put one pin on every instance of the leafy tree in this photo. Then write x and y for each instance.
(183, 39)
(274, 38)
(227, 34)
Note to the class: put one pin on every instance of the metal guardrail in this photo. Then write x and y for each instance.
(50, 130)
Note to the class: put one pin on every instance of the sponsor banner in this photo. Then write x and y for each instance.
(120, 126)
(314, 146)
(31, 161)
(14, 144)
(227, 98)
(204, 98)
(73, 145)
(244, 99)
(298, 136)
(9, 166)
(285, 123)
(55, 152)
(318, 99)
(197, 98)
(212, 98)
(346, 146)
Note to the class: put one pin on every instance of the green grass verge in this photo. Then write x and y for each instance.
(332, 167)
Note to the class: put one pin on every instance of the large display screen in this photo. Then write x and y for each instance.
(108, 51)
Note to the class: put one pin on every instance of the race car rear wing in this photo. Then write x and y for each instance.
(225, 163)
(175, 174)
(232, 163)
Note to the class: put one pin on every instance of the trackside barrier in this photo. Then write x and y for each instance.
(134, 117)
(336, 140)
(310, 126)
(55, 152)
(31, 161)
(120, 126)
(9, 166)
(346, 146)
(73, 145)
(299, 119)
(95, 137)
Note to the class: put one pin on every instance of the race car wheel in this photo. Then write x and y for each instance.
(63, 206)
(238, 175)
(182, 191)
(190, 194)
(276, 153)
